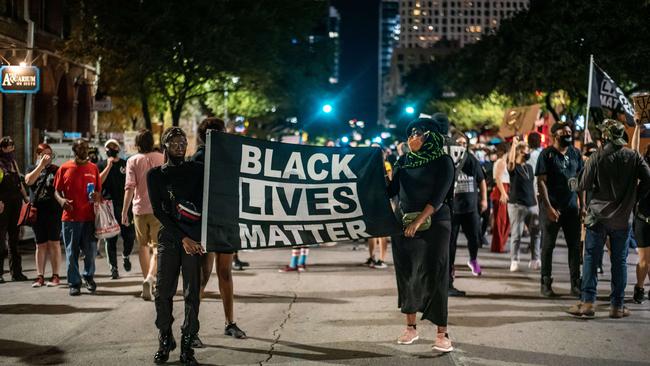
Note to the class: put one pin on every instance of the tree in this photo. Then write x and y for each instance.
(180, 51)
(546, 49)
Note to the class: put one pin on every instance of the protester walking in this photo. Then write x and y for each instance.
(113, 175)
(11, 199)
(499, 197)
(642, 229)
(223, 260)
(77, 185)
(176, 195)
(522, 205)
(136, 196)
(560, 207)
(47, 228)
(611, 174)
(470, 189)
(423, 180)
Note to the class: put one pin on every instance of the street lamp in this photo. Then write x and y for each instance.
(409, 109)
(327, 108)
(235, 80)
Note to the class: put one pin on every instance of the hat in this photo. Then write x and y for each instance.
(559, 125)
(437, 123)
(613, 131)
(111, 141)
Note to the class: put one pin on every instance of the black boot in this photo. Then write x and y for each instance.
(166, 344)
(187, 353)
(2, 270)
(576, 287)
(546, 289)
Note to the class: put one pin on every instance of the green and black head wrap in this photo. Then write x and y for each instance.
(433, 146)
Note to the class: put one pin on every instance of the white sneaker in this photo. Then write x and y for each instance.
(514, 266)
(535, 265)
(147, 287)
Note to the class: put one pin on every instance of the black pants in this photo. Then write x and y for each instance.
(128, 238)
(172, 259)
(9, 227)
(485, 223)
(470, 223)
(569, 222)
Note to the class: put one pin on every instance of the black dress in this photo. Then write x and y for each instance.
(422, 262)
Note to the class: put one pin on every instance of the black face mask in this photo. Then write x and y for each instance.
(526, 157)
(112, 153)
(566, 141)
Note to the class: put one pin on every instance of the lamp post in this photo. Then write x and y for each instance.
(235, 80)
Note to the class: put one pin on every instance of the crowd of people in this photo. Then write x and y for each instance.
(519, 189)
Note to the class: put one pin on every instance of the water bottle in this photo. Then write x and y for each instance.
(90, 188)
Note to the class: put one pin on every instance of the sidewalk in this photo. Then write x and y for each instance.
(339, 312)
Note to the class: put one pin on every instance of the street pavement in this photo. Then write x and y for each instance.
(338, 312)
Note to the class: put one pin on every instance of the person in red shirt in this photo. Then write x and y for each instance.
(76, 186)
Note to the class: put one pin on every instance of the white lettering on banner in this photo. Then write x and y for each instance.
(250, 155)
(311, 166)
(261, 200)
(253, 236)
(294, 167)
(251, 163)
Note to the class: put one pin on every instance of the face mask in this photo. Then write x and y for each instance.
(566, 141)
(111, 153)
(526, 157)
(415, 144)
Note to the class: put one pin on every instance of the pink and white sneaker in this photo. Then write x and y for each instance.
(443, 343)
(409, 336)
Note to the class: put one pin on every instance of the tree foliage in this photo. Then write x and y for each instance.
(182, 50)
(546, 49)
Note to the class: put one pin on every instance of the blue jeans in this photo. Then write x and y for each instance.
(594, 243)
(79, 235)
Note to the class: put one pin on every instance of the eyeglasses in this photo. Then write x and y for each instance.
(418, 133)
(176, 145)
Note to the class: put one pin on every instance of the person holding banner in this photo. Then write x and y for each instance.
(176, 195)
(423, 180)
(224, 258)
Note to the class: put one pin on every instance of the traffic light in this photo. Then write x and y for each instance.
(327, 108)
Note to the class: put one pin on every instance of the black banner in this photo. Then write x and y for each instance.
(605, 94)
(261, 194)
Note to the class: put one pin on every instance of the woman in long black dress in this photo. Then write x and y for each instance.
(423, 180)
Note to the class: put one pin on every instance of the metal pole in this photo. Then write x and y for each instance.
(591, 74)
(225, 102)
(28, 97)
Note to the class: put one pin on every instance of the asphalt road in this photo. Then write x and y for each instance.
(338, 312)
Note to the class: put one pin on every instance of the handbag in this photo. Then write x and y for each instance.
(29, 212)
(28, 215)
(409, 217)
(186, 214)
(106, 226)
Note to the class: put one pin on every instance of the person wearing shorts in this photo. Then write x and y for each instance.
(136, 195)
(47, 228)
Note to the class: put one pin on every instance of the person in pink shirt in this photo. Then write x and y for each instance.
(136, 195)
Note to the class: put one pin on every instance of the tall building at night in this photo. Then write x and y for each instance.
(334, 24)
(389, 30)
(428, 29)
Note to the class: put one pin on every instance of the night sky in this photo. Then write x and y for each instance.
(358, 63)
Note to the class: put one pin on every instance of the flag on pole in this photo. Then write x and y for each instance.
(605, 94)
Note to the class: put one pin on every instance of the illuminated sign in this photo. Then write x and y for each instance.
(20, 79)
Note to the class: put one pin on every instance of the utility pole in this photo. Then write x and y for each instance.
(28, 97)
